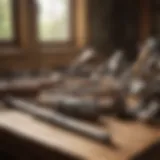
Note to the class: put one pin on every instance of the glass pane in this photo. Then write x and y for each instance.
(53, 20)
(6, 23)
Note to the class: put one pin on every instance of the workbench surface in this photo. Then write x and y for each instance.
(130, 138)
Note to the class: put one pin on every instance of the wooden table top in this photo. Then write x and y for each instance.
(130, 137)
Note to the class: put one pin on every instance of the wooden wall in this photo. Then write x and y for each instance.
(155, 17)
(115, 25)
(35, 60)
(100, 14)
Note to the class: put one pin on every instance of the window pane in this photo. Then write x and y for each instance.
(53, 20)
(6, 23)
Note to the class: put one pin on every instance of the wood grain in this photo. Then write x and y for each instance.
(130, 138)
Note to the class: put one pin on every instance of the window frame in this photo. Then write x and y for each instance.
(24, 50)
(25, 45)
(71, 42)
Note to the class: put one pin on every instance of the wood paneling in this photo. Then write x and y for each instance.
(32, 60)
(145, 20)
(99, 23)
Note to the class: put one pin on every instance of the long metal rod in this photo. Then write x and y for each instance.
(58, 119)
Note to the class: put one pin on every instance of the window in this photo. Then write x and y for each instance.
(37, 24)
(31, 31)
(6, 20)
(54, 20)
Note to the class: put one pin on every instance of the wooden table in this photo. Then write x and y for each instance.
(130, 137)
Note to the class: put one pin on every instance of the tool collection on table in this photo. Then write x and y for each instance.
(79, 96)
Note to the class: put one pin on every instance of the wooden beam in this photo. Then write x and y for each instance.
(23, 23)
(81, 23)
(145, 20)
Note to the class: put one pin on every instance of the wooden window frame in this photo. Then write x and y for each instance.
(24, 51)
(52, 46)
(25, 28)
(72, 26)
(78, 29)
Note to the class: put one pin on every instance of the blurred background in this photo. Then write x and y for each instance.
(67, 26)
(79, 79)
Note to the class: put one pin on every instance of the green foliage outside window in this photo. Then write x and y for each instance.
(6, 25)
(53, 20)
